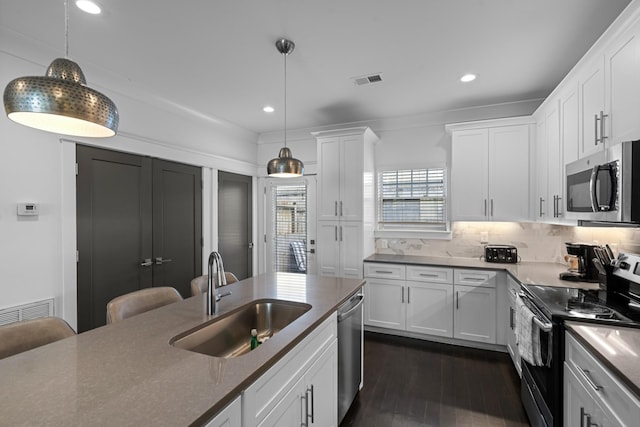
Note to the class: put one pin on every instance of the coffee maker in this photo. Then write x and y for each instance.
(581, 266)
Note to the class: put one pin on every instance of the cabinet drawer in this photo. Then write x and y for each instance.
(384, 271)
(601, 383)
(483, 278)
(430, 274)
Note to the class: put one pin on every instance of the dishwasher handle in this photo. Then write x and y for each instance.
(342, 315)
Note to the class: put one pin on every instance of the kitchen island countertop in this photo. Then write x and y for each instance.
(526, 272)
(128, 374)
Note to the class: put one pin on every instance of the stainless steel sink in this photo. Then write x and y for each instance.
(230, 335)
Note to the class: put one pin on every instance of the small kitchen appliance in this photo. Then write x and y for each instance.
(583, 268)
(501, 253)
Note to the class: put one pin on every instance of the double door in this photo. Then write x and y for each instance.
(490, 178)
(340, 251)
(139, 224)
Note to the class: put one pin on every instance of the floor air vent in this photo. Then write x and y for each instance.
(26, 312)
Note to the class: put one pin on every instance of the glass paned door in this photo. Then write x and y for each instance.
(291, 225)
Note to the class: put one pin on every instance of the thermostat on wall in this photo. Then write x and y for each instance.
(28, 209)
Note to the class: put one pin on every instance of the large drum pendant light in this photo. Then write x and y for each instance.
(285, 166)
(60, 101)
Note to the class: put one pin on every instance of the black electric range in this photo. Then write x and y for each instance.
(617, 301)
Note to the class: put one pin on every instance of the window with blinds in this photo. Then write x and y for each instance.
(413, 198)
(290, 233)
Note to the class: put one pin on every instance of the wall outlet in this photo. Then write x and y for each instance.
(382, 244)
(484, 237)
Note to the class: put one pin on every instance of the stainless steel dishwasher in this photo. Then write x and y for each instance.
(349, 352)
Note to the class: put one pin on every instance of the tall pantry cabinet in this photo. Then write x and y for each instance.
(346, 200)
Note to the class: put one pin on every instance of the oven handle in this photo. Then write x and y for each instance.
(544, 326)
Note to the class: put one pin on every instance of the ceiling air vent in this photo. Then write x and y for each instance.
(365, 80)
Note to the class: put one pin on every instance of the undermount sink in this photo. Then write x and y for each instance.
(230, 335)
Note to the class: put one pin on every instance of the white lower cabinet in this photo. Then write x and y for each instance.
(579, 407)
(593, 395)
(430, 308)
(301, 388)
(313, 400)
(513, 288)
(474, 314)
(230, 416)
(384, 304)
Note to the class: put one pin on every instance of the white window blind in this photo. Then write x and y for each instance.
(412, 197)
(290, 232)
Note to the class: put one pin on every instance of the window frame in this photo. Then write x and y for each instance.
(412, 229)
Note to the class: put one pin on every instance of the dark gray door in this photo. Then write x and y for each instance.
(139, 225)
(234, 223)
(177, 225)
(114, 213)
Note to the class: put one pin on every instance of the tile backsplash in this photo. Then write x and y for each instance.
(535, 241)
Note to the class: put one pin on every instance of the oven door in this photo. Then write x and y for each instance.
(535, 392)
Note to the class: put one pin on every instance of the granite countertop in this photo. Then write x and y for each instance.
(128, 374)
(617, 347)
(526, 272)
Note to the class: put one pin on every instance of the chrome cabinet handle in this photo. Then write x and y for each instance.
(511, 317)
(485, 207)
(335, 208)
(595, 130)
(428, 275)
(313, 411)
(541, 202)
(335, 229)
(558, 213)
(602, 135)
(491, 207)
(457, 300)
(146, 263)
(587, 376)
(340, 207)
(160, 261)
(305, 418)
(582, 414)
(384, 272)
(408, 294)
(341, 233)
(403, 294)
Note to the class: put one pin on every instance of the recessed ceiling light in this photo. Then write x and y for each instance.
(468, 78)
(88, 6)
(268, 109)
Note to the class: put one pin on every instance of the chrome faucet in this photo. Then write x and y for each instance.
(214, 296)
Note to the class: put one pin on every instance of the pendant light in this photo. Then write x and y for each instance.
(285, 166)
(60, 101)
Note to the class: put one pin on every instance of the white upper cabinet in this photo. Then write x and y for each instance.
(591, 86)
(622, 88)
(490, 171)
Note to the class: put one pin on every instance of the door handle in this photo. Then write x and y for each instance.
(160, 261)
(408, 294)
(595, 130)
(340, 207)
(485, 207)
(341, 233)
(541, 202)
(335, 208)
(457, 300)
(146, 263)
(312, 406)
(335, 229)
(250, 245)
(602, 135)
(492, 207)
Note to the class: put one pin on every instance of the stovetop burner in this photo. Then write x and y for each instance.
(589, 310)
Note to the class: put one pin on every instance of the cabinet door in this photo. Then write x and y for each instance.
(321, 394)
(578, 404)
(329, 178)
(569, 126)
(475, 314)
(509, 173)
(554, 161)
(328, 248)
(289, 412)
(430, 308)
(622, 66)
(384, 304)
(351, 178)
(231, 416)
(350, 239)
(591, 87)
(511, 337)
(542, 202)
(469, 176)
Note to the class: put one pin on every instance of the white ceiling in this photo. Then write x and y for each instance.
(218, 59)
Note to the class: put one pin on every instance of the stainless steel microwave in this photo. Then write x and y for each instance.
(600, 187)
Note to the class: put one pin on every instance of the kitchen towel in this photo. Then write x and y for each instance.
(525, 334)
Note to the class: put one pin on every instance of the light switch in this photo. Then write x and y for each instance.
(28, 209)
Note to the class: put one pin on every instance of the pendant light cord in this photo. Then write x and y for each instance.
(285, 98)
(66, 29)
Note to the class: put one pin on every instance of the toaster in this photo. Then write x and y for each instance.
(501, 253)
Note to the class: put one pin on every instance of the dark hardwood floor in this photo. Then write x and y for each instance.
(411, 382)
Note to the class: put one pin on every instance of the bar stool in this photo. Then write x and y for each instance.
(137, 302)
(199, 284)
(22, 336)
